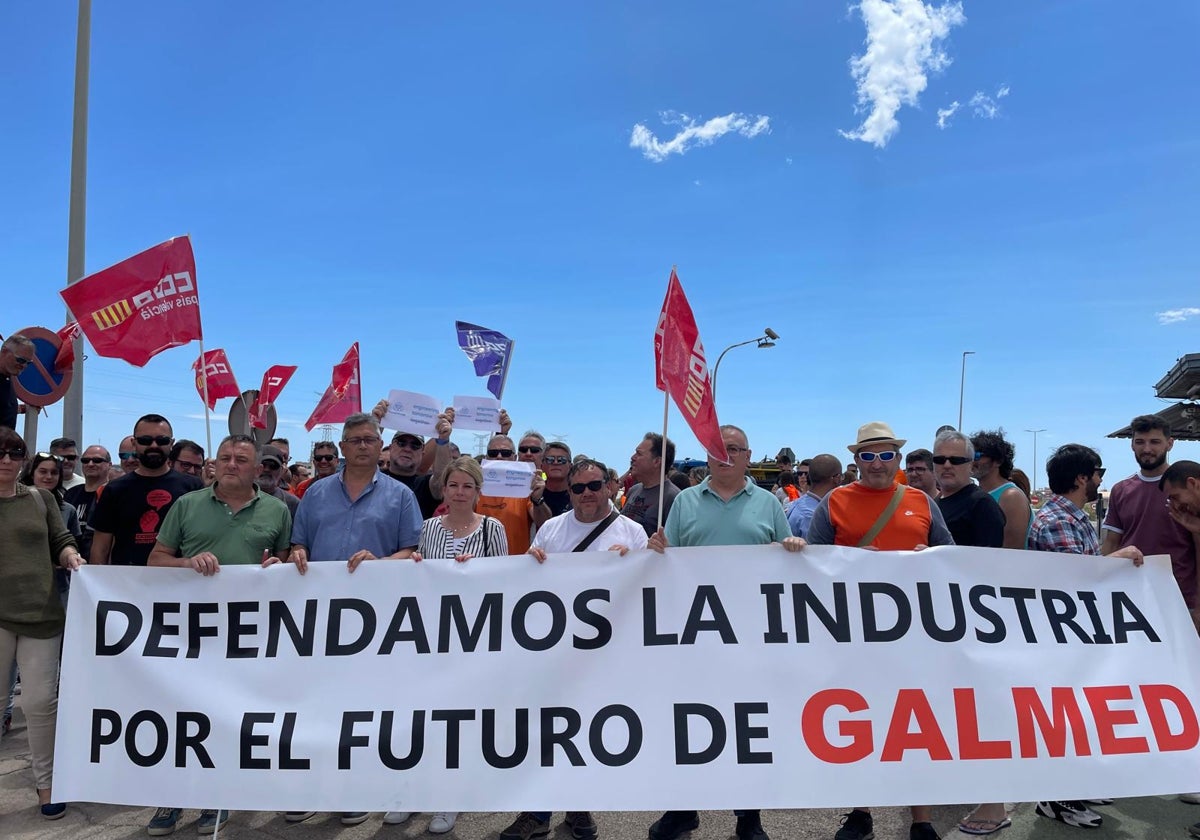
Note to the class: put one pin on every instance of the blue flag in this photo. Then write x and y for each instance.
(489, 350)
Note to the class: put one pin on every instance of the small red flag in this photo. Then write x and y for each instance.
(221, 381)
(141, 306)
(273, 381)
(66, 351)
(343, 397)
(681, 371)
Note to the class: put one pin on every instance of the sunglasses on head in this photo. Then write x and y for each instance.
(594, 486)
(17, 453)
(956, 460)
(529, 450)
(50, 456)
(500, 453)
(556, 459)
(324, 457)
(88, 460)
(158, 440)
(868, 457)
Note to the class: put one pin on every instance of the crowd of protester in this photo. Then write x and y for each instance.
(163, 503)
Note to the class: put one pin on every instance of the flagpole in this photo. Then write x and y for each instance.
(204, 385)
(662, 471)
(512, 343)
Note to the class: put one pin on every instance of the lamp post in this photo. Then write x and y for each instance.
(1033, 476)
(767, 339)
(962, 385)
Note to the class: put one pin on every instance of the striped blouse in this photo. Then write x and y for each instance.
(488, 540)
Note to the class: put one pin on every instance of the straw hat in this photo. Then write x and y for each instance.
(875, 432)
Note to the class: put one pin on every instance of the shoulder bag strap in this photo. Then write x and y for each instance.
(884, 517)
(597, 531)
(486, 551)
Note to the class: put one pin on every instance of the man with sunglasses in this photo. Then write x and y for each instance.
(15, 353)
(878, 513)
(132, 508)
(270, 468)
(67, 453)
(325, 464)
(404, 460)
(592, 524)
(556, 464)
(95, 464)
(971, 514)
(518, 516)
(127, 454)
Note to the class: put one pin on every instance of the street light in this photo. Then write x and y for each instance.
(1033, 476)
(962, 385)
(767, 339)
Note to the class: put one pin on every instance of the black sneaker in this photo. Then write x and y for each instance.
(857, 825)
(163, 822)
(524, 827)
(581, 824)
(922, 831)
(674, 823)
(749, 827)
(1073, 813)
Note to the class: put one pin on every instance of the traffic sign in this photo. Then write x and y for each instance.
(39, 383)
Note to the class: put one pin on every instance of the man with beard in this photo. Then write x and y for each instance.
(270, 467)
(132, 508)
(1137, 515)
(95, 463)
(1062, 525)
(993, 470)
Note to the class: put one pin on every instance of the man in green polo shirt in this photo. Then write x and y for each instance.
(231, 522)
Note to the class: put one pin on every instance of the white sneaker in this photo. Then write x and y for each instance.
(396, 817)
(442, 822)
(1190, 798)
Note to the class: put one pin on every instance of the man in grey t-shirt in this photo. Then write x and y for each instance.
(641, 502)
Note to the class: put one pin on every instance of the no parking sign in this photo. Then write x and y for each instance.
(39, 383)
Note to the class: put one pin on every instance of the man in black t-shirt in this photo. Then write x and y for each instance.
(972, 516)
(404, 457)
(132, 508)
(95, 464)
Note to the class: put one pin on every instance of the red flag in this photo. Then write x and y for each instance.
(343, 397)
(681, 371)
(273, 381)
(221, 381)
(140, 306)
(66, 352)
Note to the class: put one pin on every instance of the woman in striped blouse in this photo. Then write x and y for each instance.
(460, 533)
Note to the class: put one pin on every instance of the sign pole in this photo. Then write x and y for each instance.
(207, 418)
(77, 211)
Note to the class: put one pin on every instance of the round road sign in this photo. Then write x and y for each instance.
(40, 384)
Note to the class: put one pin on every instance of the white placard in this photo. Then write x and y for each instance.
(411, 412)
(721, 677)
(509, 479)
(479, 414)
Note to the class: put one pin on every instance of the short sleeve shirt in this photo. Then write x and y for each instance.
(200, 521)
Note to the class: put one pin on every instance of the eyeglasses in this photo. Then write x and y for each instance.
(366, 440)
(956, 460)
(556, 459)
(159, 440)
(189, 466)
(1100, 471)
(16, 453)
(734, 451)
(21, 360)
(127, 456)
(529, 450)
(319, 458)
(868, 457)
(594, 486)
(415, 446)
(500, 453)
(87, 460)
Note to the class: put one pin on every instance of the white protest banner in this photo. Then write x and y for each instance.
(705, 678)
(480, 414)
(508, 479)
(411, 412)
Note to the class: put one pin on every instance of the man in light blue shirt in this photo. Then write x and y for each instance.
(359, 513)
(824, 474)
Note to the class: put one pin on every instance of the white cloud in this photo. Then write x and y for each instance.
(1174, 316)
(944, 114)
(693, 134)
(903, 45)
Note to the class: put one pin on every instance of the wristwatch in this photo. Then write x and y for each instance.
(539, 501)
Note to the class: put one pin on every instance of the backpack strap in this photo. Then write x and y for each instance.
(885, 517)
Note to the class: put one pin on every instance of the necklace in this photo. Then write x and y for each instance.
(458, 530)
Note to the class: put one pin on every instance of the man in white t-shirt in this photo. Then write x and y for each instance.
(591, 511)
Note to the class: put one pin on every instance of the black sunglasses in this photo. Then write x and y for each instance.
(414, 445)
(594, 486)
(324, 457)
(956, 460)
(87, 460)
(500, 453)
(529, 450)
(146, 440)
(16, 453)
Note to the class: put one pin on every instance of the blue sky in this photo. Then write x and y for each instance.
(374, 172)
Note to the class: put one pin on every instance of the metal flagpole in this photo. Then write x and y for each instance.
(512, 343)
(204, 385)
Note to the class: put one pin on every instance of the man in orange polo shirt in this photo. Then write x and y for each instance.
(877, 513)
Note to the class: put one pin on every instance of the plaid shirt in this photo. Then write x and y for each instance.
(1062, 526)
